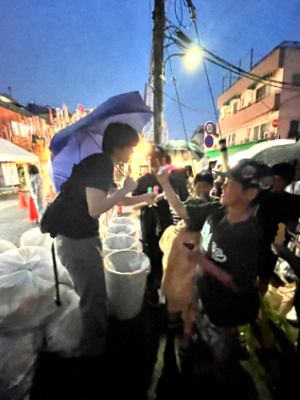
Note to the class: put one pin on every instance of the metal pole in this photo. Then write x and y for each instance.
(158, 68)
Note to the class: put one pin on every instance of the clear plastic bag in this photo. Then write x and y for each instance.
(119, 242)
(5, 245)
(34, 237)
(130, 230)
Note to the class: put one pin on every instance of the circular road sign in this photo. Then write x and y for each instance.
(275, 123)
(209, 141)
(210, 128)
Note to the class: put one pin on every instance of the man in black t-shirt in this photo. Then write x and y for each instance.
(230, 244)
(154, 221)
(83, 198)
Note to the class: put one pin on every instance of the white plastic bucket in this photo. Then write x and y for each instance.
(130, 230)
(125, 275)
(123, 221)
(119, 242)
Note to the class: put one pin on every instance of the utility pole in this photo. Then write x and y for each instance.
(158, 68)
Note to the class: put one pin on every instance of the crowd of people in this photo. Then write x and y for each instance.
(211, 248)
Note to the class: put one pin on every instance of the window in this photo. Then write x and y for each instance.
(256, 132)
(235, 108)
(229, 140)
(262, 92)
(294, 129)
(296, 80)
(264, 128)
(232, 139)
(277, 101)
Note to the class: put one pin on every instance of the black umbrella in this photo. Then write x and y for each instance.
(289, 153)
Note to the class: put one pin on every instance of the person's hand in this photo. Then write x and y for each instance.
(149, 198)
(162, 176)
(129, 184)
(279, 249)
(159, 197)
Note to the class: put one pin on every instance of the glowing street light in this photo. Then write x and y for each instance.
(192, 57)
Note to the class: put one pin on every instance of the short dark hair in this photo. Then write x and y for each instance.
(204, 177)
(118, 135)
(285, 171)
(33, 169)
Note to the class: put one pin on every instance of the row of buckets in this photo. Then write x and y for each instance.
(126, 268)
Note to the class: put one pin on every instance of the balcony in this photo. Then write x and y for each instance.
(250, 112)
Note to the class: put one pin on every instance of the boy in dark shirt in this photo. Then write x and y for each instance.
(230, 248)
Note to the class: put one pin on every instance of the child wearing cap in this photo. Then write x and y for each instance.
(230, 251)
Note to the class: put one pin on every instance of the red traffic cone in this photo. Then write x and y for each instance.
(33, 215)
(22, 200)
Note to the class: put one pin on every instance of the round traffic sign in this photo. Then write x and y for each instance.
(275, 123)
(210, 128)
(209, 141)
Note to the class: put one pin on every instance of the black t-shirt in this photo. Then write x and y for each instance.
(234, 248)
(178, 181)
(154, 220)
(95, 171)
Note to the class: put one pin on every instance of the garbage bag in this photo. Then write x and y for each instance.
(27, 287)
(125, 275)
(64, 328)
(5, 245)
(130, 230)
(34, 237)
(18, 360)
(119, 242)
(123, 221)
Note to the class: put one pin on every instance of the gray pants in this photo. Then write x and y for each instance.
(83, 260)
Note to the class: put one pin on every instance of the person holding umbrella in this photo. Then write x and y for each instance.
(83, 198)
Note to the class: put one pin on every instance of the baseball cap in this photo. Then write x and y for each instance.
(250, 173)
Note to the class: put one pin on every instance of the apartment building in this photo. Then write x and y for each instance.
(250, 106)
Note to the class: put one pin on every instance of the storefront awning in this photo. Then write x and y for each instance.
(233, 149)
(11, 152)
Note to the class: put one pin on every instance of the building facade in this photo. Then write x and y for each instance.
(250, 108)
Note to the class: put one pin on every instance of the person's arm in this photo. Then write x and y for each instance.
(174, 201)
(99, 203)
(210, 268)
(282, 251)
(147, 198)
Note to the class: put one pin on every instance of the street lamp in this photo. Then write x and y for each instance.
(192, 57)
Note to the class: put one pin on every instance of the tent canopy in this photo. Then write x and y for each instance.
(11, 152)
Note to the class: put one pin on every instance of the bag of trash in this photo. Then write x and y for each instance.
(125, 275)
(34, 237)
(130, 230)
(119, 242)
(64, 328)
(18, 360)
(27, 287)
(5, 245)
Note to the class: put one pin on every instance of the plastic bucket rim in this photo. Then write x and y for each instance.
(126, 273)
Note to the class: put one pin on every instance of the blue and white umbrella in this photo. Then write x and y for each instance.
(84, 138)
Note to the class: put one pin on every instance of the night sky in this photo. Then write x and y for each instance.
(82, 52)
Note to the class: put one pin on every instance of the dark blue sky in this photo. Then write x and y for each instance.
(82, 52)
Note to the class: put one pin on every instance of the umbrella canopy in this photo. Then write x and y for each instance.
(257, 148)
(84, 138)
(180, 148)
(289, 153)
